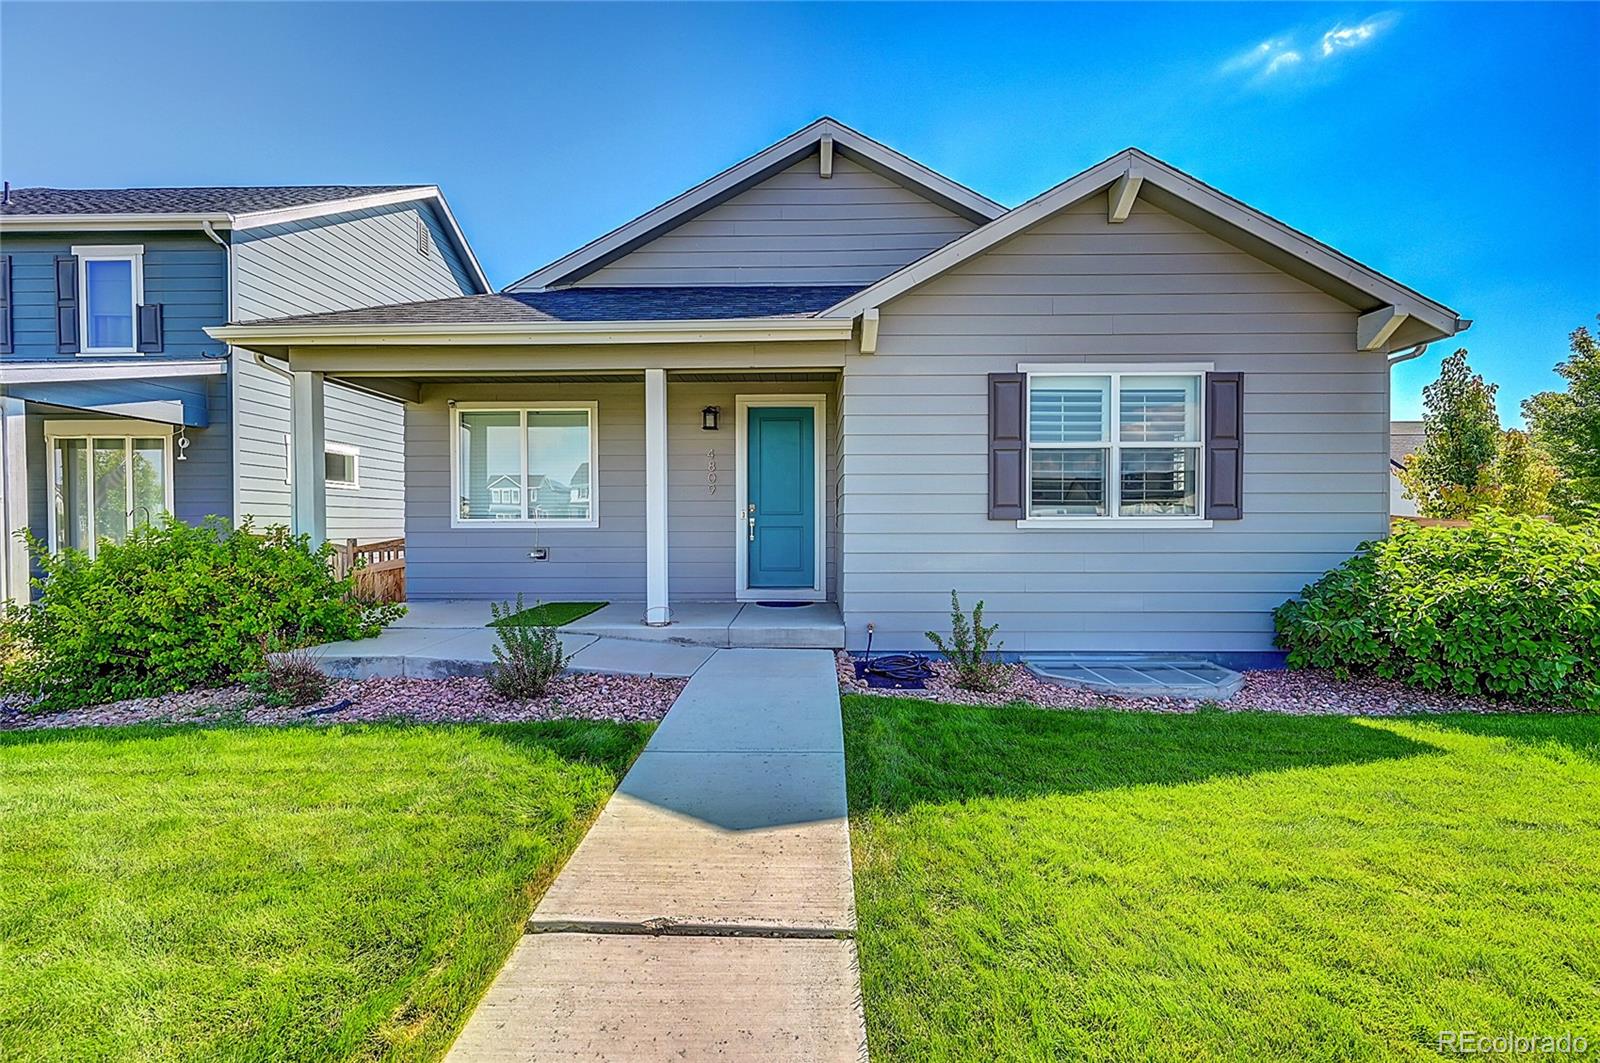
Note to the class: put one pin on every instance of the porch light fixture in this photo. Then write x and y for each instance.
(709, 418)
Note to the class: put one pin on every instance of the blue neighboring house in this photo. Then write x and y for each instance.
(116, 407)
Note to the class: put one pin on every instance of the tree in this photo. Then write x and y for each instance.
(1566, 425)
(1451, 474)
(1522, 476)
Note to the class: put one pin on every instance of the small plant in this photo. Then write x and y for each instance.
(968, 650)
(289, 678)
(527, 657)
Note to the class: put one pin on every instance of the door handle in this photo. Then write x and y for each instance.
(752, 523)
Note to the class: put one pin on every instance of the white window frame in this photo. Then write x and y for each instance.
(523, 409)
(85, 254)
(91, 429)
(354, 454)
(1114, 446)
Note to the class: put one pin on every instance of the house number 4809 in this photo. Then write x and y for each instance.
(711, 472)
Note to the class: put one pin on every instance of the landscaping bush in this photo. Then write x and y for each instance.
(175, 607)
(1508, 607)
(968, 649)
(289, 678)
(528, 655)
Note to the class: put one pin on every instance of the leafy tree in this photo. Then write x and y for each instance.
(1450, 475)
(1566, 424)
(1523, 476)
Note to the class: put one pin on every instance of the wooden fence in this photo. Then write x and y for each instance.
(379, 567)
(1431, 522)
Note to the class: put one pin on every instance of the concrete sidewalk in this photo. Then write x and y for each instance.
(709, 913)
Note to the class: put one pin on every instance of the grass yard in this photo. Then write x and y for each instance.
(551, 614)
(291, 893)
(1041, 885)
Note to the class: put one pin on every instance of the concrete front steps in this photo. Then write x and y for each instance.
(725, 625)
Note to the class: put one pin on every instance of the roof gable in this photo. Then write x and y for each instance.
(1132, 173)
(824, 138)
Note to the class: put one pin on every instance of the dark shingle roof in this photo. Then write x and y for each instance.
(595, 304)
(238, 200)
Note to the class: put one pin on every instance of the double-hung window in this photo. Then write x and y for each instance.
(530, 464)
(111, 287)
(1115, 445)
(107, 478)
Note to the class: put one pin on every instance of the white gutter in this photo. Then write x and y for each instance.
(96, 222)
(131, 369)
(745, 330)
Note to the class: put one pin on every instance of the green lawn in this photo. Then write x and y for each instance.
(551, 614)
(1039, 885)
(264, 894)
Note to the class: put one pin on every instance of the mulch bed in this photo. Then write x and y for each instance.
(1298, 693)
(620, 699)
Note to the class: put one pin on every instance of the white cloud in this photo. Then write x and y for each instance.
(1279, 61)
(1344, 37)
(1276, 56)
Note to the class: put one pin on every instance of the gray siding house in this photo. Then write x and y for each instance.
(1129, 414)
(118, 407)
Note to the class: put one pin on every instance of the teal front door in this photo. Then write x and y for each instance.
(781, 507)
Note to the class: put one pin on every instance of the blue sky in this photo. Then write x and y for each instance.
(1455, 147)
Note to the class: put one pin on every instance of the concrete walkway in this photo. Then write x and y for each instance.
(709, 913)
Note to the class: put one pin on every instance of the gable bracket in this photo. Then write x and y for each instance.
(1374, 329)
(1119, 199)
(869, 330)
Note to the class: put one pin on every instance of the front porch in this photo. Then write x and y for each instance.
(453, 637)
(700, 502)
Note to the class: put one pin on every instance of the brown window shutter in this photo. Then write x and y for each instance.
(1008, 407)
(67, 304)
(1224, 446)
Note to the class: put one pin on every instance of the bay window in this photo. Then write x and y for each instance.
(530, 464)
(1115, 444)
(107, 478)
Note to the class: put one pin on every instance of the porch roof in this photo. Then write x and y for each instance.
(689, 303)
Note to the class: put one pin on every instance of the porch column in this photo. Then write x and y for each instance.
(308, 444)
(14, 582)
(656, 612)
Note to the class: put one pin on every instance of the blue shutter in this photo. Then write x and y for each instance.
(150, 329)
(6, 346)
(67, 304)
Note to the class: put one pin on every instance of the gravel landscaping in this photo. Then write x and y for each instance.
(1299, 693)
(574, 696)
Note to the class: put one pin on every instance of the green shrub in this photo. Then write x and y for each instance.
(175, 607)
(527, 656)
(968, 649)
(1509, 607)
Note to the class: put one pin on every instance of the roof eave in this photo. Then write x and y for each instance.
(743, 330)
(741, 175)
(113, 222)
(1154, 173)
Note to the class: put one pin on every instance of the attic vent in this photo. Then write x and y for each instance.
(424, 238)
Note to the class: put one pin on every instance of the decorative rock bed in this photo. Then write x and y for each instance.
(620, 699)
(1300, 693)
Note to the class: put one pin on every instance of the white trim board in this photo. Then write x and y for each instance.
(742, 590)
(45, 373)
(730, 182)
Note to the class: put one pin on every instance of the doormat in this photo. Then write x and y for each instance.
(783, 605)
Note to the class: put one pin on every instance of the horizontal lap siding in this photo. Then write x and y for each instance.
(605, 562)
(361, 258)
(186, 274)
(795, 228)
(913, 470)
